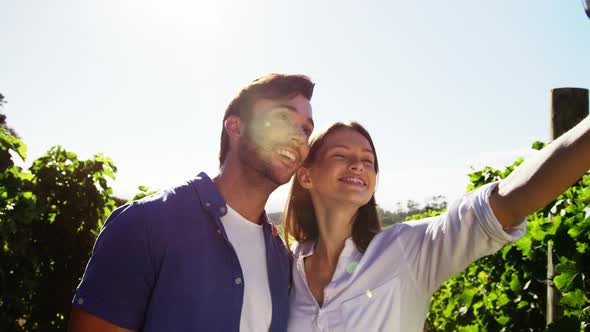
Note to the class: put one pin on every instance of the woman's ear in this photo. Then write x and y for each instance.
(304, 177)
(232, 127)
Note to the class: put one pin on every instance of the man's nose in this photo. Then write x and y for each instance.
(298, 136)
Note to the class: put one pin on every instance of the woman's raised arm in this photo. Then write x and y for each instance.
(539, 180)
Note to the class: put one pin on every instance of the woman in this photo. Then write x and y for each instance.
(348, 275)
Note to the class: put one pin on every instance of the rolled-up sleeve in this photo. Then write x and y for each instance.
(438, 248)
(489, 222)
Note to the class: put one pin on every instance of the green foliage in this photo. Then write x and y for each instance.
(507, 291)
(49, 219)
(143, 192)
(426, 214)
(9, 141)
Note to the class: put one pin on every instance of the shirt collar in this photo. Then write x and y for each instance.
(307, 248)
(350, 248)
(211, 199)
(209, 196)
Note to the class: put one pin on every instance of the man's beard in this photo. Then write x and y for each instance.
(256, 154)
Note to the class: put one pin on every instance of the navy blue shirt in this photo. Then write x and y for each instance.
(164, 263)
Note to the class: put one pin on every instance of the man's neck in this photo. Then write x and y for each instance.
(245, 192)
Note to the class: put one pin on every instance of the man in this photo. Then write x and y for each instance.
(203, 256)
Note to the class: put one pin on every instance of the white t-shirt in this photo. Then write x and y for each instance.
(388, 288)
(247, 238)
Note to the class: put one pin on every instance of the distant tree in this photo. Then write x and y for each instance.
(412, 210)
(3, 123)
(436, 203)
(9, 141)
(412, 206)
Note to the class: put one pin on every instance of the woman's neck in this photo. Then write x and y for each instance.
(335, 226)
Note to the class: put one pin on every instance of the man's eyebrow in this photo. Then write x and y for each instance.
(292, 109)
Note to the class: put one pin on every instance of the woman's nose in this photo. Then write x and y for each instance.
(356, 164)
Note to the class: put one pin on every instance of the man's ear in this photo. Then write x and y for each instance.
(232, 127)
(304, 177)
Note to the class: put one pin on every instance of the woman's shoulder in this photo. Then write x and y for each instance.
(399, 233)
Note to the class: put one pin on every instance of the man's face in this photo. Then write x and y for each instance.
(274, 141)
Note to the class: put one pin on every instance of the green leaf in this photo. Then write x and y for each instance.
(470, 328)
(574, 299)
(13, 143)
(567, 272)
(467, 296)
(503, 320)
(503, 300)
(550, 227)
(581, 247)
(515, 285)
(538, 145)
(522, 304)
(524, 245)
(505, 251)
(483, 277)
(449, 309)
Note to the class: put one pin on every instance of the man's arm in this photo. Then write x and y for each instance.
(81, 321)
(539, 180)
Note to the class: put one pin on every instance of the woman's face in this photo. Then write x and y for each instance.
(343, 171)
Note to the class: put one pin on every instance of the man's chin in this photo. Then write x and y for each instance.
(279, 181)
(282, 173)
(281, 178)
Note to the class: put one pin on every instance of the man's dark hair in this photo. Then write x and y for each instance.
(272, 86)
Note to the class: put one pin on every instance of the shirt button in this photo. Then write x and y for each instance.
(207, 204)
(238, 280)
(223, 210)
(219, 231)
(80, 300)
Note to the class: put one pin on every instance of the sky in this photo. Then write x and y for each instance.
(441, 86)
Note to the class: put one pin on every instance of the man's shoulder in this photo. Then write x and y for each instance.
(160, 202)
(189, 192)
(181, 199)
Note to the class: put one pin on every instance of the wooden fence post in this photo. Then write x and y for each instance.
(569, 106)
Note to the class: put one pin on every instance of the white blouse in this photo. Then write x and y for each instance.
(388, 288)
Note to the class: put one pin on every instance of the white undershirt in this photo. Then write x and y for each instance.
(247, 238)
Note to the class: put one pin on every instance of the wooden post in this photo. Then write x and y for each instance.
(569, 106)
(552, 294)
